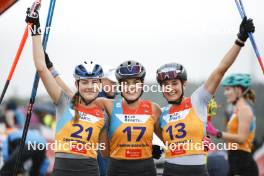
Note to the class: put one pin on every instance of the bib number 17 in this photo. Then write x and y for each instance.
(129, 129)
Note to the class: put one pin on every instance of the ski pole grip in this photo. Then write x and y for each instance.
(35, 6)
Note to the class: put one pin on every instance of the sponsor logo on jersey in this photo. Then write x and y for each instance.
(86, 117)
(135, 118)
(176, 116)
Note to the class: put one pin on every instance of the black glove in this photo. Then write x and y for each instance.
(49, 64)
(156, 151)
(246, 26)
(34, 19)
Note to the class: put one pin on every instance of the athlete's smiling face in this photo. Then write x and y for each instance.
(173, 89)
(131, 88)
(89, 88)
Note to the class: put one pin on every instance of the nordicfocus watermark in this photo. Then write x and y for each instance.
(200, 146)
(132, 88)
(66, 146)
(174, 147)
(37, 30)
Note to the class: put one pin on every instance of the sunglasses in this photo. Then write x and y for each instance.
(130, 70)
(167, 75)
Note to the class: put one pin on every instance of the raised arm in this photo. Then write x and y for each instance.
(56, 76)
(49, 82)
(215, 78)
(39, 59)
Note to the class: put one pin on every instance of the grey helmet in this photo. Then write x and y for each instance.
(171, 71)
(130, 69)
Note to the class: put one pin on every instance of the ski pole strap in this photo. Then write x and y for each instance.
(237, 42)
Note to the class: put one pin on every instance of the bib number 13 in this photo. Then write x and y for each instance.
(181, 132)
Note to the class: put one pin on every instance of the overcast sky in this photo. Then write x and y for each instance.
(196, 33)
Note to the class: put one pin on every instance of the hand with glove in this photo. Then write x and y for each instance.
(210, 129)
(246, 27)
(156, 151)
(33, 18)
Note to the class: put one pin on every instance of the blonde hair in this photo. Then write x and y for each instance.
(250, 95)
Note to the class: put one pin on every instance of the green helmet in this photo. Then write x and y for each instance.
(243, 80)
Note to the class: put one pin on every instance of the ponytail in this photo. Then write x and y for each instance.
(74, 103)
(250, 95)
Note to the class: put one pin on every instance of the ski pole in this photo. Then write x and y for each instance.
(35, 6)
(242, 12)
(35, 87)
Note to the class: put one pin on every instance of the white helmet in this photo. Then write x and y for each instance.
(110, 74)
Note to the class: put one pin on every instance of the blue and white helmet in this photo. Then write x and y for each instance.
(88, 70)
